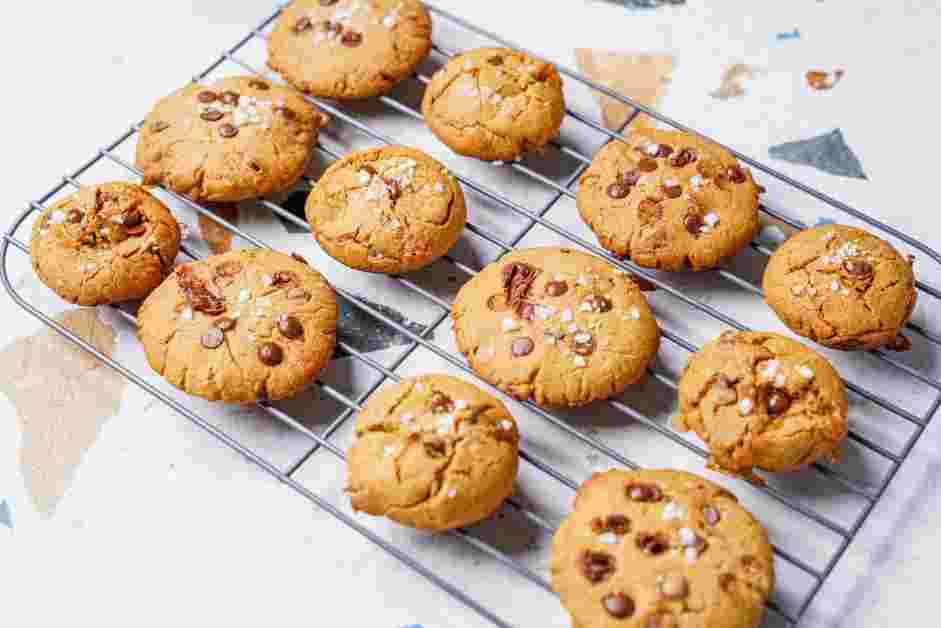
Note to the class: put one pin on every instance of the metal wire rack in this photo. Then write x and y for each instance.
(844, 532)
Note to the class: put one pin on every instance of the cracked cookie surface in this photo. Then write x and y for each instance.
(761, 400)
(433, 452)
(106, 243)
(661, 549)
(842, 287)
(494, 104)
(556, 325)
(240, 327)
(349, 49)
(234, 139)
(669, 200)
(387, 210)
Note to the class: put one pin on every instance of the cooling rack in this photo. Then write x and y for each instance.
(814, 518)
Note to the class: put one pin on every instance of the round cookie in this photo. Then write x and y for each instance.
(556, 325)
(240, 327)
(433, 452)
(762, 400)
(387, 210)
(236, 139)
(661, 549)
(107, 243)
(842, 287)
(349, 49)
(669, 200)
(494, 104)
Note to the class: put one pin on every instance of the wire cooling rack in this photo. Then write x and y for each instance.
(812, 518)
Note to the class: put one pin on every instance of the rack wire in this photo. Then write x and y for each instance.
(388, 373)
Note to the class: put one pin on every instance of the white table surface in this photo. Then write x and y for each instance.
(160, 525)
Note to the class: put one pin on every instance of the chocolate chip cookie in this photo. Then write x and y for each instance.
(387, 210)
(107, 243)
(349, 49)
(434, 453)
(556, 325)
(241, 326)
(842, 287)
(494, 104)
(664, 549)
(761, 400)
(669, 200)
(236, 139)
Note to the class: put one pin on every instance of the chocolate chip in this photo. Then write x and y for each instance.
(737, 175)
(664, 151)
(300, 258)
(556, 288)
(159, 125)
(213, 338)
(136, 231)
(647, 165)
(727, 582)
(683, 158)
(583, 343)
(521, 347)
(618, 605)
(286, 112)
(74, 216)
(673, 191)
(653, 543)
(224, 323)
(283, 277)
(778, 403)
(441, 403)
(518, 278)
(750, 563)
(497, 303)
(327, 3)
(644, 492)
(674, 586)
(395, 190)
(495, 60)
(711, 515)
(693, 223)
(132, 218)
(270, 354)
(211, 115)
(257, 84)
(227, 130)
(197, 293)
(596, 566)
(302, 24)
(351, 39)
(619, 524)
(631, 177)
(527, 311)
(435, 447)
(857, 268)
(600, 303)
(290, 327)
(899, 343)
(298, 294)
(618, 190)
(206, 96)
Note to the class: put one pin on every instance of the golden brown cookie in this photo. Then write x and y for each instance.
(348, 49)
(433, 452)
(387, 210)
(762, 400)
(842, 287)
(494, 104)
(669, 200)
(106, 243)
(236, 139)
(557, 325)
(664, 549)
(241, 326)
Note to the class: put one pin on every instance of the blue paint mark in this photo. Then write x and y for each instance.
(6, 516)
(794, 34)
(824, 221)
(413, 626)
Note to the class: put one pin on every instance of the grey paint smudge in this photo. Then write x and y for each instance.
(6, 517)
(828, 152)
(363, 332)
(794, 34)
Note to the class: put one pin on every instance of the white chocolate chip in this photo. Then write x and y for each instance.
(805, 372)
(634, 313)
(460, 404)
(245, 295)
(696, 181)
(187, 314)
(510, 324)
(506, 425)
(652, 149)
(567, 316)
(835, 286)
(389, 450)
(406, 418)
(687, 537)
(745, 406)
(445, 424)
(711, 219)
(771, 369)
(780, 381)
(580, 361)
(57, 217)
(672, 510)
(452, 493)
(691, 554)
(608, 538)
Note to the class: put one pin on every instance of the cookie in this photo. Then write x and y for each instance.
(387, 210)
(669, 200)
(349, 49)
(236, 139)
(433, 452)
(761, 400)
(240, 327)
(661, 549)
(107, 243)
(556, 325)
(494, 104)
(842, 287)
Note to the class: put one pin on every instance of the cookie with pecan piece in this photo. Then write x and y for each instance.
(240, 327)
